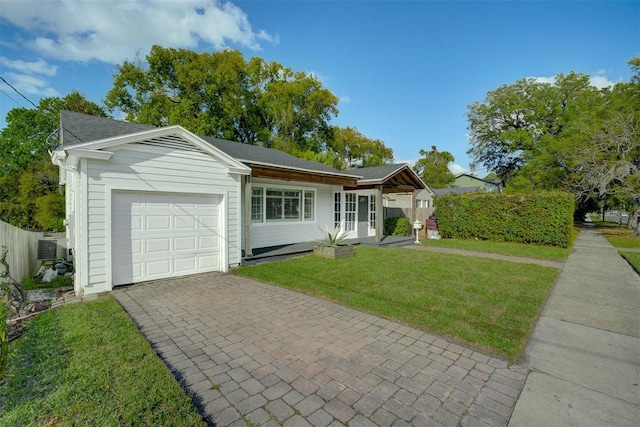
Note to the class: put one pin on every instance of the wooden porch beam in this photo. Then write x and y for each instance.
(258, 171)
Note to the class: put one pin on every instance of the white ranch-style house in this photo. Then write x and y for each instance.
(145, 203)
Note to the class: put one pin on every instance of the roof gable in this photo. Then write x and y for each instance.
(398, 176)
(171, 137)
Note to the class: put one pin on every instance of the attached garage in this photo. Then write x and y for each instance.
(148, 204)
(157, 235)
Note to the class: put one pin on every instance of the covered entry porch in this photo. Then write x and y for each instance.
(361, 208)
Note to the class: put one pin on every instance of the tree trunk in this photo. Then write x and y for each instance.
(20, 304)
(633, 219)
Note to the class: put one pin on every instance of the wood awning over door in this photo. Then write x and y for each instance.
(392, 179)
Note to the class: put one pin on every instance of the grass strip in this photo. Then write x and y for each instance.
(632, 258)
(492, 305)
(87, 364)
(618, 235)
(550, 253)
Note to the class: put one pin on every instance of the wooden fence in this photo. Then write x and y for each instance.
(23, 249)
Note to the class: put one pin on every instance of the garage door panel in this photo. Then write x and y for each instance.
(158, 222)
(210, 263)
(158, 245)
(207, 242)
(156, 235)
(208, 221)
(158, 266)
(184, 222)
(184, 265)
(185, 243)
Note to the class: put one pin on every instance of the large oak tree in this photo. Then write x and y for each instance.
(221, 94)
(564, 135)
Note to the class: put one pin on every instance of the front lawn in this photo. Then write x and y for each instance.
(87, 364)
(490, 304)
(551, 253)
(618, 235)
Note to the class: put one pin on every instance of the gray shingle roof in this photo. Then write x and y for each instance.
(79, 128)
(454, 190)
(376, 172)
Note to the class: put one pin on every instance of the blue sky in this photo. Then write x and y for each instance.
(404, 71)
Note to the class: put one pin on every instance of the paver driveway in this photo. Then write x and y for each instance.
(255, 354)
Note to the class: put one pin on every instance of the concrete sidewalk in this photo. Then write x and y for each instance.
(584, 355)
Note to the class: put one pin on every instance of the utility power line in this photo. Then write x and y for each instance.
(17, 91)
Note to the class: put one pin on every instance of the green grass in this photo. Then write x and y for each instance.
(31, 283)
(87, 364)
(551, 253)
(632, 258)
(618, 235)
(492, 305)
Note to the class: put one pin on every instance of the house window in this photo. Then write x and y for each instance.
(372, 211)
(280, 204)
(336, 209)
(308, 206)
(257, 205)
(418, 203)
(349, 211)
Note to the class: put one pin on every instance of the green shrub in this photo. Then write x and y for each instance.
(396, 226)
(402, 227)
(542, 217)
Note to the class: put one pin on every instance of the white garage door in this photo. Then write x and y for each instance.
(158, 235)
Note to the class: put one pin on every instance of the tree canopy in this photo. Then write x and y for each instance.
(220, 94)
(433, 168)
(356, 150)
(28, 179)
(564, 135)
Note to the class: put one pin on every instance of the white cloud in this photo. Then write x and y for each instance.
(550, 80)
(598, 80)
(34, 67)
(345, 99)
(77, 30)
(31, 85)
(457, 169)
(410, 162)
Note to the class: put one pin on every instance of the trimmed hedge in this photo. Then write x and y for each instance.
(396, 226)
(544, 218)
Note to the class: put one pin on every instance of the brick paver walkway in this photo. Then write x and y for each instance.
(254, 354)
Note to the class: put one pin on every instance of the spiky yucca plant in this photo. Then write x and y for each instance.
(333, 238)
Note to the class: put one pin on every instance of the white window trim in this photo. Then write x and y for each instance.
(302, 190)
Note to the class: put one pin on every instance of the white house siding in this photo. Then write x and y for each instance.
(282, 233)
(144, 168)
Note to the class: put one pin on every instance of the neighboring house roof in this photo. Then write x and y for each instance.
(80, 128)
(496, 183)
(399, 174)
(425, 194)
(454, 190)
